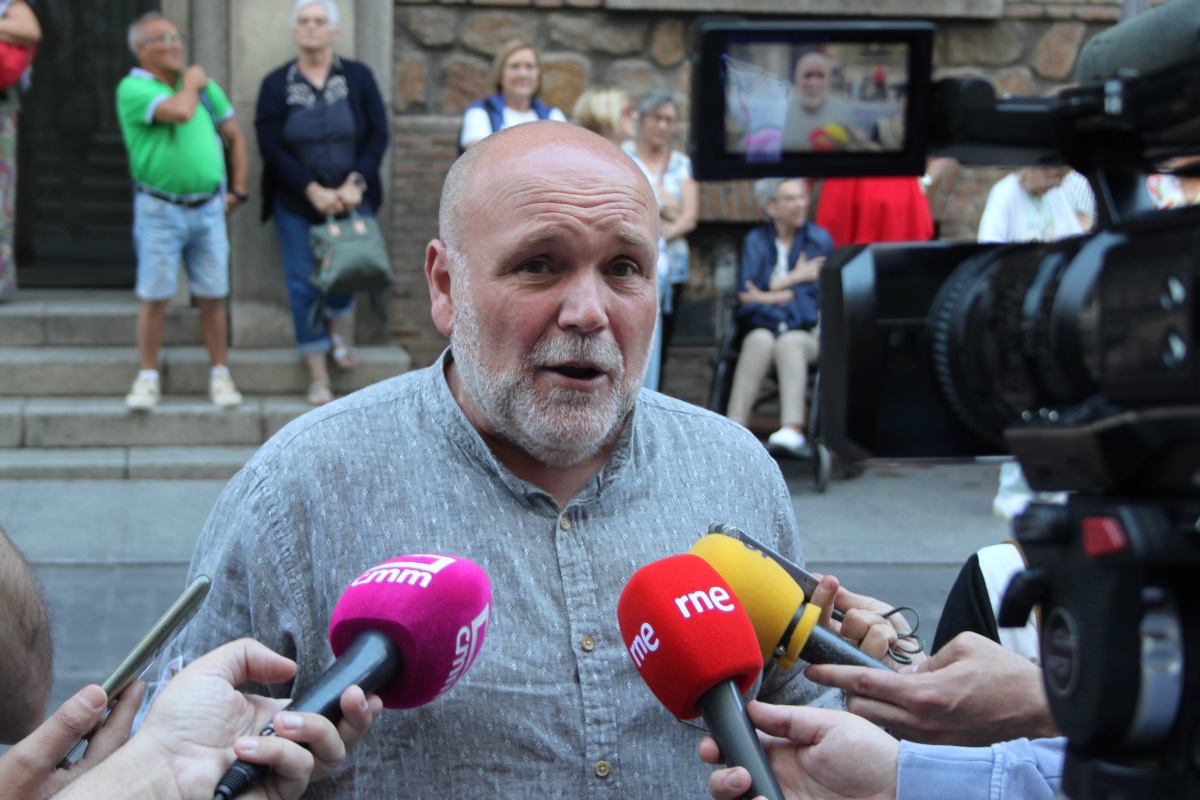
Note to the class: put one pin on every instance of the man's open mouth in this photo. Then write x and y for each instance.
(579, 372)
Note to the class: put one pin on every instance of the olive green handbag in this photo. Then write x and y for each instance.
(351, 256)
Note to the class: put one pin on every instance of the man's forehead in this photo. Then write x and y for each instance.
(157, 27)
(556, 167)
(814, 61)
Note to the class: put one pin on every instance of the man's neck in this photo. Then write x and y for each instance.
(168, 76)
(316, 60)
(561, 483)
(520, 103)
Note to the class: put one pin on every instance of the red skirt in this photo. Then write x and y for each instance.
(865, 210)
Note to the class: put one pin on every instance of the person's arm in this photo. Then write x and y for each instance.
(1015, 770)
(753, 274)
(820, 754)
(972, 692)
(476, 126)
(201, 721)
(270, 114)
(689, 211)
(993, 225)
(20, 25)
(815, 754)
(752, 295)
(806, 270)
(30, 768)
(235, 146)
(25, 672)
(181, 106)
(366, 162)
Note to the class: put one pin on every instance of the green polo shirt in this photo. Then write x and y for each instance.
(186, 158)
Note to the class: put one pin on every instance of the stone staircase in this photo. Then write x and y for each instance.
(67, 358)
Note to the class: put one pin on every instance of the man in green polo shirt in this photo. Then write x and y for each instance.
(174, 121)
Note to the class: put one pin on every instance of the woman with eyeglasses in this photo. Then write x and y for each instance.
(516, 76)
(670, 174)
(323, 131)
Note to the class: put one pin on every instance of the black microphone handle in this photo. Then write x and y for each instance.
(725, 715)
(826, 647)
(372, 661)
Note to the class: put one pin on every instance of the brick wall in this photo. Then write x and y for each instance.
(444, 47)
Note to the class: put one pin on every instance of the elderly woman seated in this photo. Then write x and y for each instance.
(778, 309)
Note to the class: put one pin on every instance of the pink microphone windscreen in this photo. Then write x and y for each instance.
(435, 608)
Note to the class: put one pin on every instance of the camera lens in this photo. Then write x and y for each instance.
(1007, 342)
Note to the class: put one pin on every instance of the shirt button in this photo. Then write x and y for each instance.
(588, 643)
(564, 523)
(603, 768)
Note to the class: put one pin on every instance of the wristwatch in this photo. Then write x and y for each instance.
(241, 196)
(358, 180)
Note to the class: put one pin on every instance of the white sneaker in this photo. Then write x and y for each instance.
(144, 393)
(789, 441)
(223, 392)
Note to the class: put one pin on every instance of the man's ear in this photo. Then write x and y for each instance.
(438, 274)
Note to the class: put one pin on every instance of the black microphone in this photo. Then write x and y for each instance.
(430, 610)
(823, 646)
(373, 661)
(1159, 38)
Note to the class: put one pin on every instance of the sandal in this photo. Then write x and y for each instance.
(344, 356)
(319, 393)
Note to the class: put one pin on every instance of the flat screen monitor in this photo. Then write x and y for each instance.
(795, 99)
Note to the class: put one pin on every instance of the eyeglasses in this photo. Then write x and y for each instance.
(167, 39)
(318, 22)
(663, 119)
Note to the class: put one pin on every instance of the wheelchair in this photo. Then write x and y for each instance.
(723, 364)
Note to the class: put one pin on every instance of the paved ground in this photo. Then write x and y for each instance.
(113, 554)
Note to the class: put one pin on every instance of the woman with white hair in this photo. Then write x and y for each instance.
(778, 309)
(323, 131)
(670, 174)
(517, 78)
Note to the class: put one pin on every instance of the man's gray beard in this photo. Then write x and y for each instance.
(562, 430)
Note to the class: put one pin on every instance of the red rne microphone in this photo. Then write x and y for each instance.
(695, 647)
(406, 629)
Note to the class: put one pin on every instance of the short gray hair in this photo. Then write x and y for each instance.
(134, 36)
(767, 189)
(455, 191)
(330, 7)
(654, 100)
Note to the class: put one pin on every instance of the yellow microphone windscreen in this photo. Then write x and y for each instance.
(767, 592)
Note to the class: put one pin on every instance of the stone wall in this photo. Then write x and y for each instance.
(443, 50)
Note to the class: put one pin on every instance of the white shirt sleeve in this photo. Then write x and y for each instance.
(476, 126)
(557, 115)
(994, 225)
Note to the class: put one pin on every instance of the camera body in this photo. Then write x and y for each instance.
(1079, 357)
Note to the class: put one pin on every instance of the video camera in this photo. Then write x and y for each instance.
(1078, 357)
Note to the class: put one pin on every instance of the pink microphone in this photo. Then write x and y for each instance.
(433, 609)
(406, 629)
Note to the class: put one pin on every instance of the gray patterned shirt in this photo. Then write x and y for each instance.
(553, 707)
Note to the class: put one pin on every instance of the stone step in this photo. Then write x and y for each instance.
(180, 421)
(87, 371)
(279, 370)
(91, 318)
(132, 463)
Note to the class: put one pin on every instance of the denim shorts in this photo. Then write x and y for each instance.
(165, 232)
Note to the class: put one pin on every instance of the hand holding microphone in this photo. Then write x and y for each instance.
(817, 754)
(692, 643)
(407, 629)
(786, 626)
